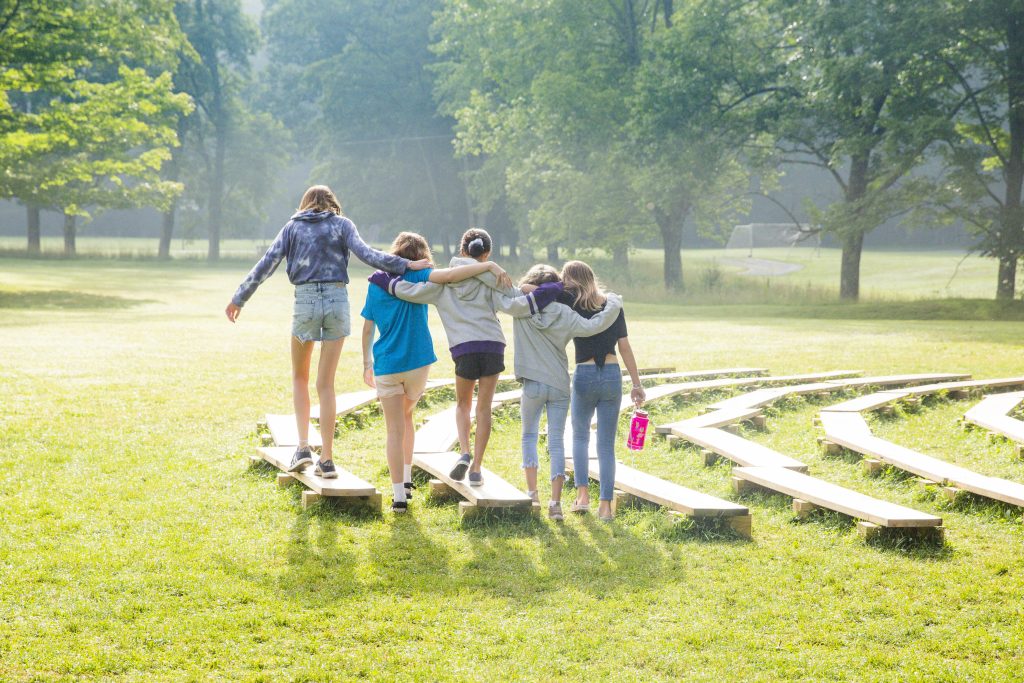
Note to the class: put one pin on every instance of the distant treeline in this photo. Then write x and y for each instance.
(562, 126)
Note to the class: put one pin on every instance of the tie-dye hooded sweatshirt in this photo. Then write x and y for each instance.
(317, 245)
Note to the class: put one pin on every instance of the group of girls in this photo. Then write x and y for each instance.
(548, 309)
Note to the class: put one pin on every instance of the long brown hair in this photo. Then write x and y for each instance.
(411, 246)
(579, 279)
(320, 198)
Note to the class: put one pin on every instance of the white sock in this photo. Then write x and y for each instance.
(533, 494)
(408, 472)
(399, 491)
(303, 445)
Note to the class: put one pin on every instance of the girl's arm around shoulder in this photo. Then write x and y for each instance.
(525, 305)
(602, 320)
(374, 257)
(414, 292)
(460, 273)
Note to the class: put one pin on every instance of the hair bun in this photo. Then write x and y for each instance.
(476, 247)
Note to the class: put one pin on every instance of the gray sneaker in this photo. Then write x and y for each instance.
(300, 459)
(459, 471)
(476, 479)
(555, 511)
(326, 469)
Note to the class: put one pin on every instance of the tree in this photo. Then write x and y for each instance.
(863, 95)
(80, 103)
(985, 158)
(224, 39)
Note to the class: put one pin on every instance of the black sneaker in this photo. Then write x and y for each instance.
(326, 469)
(459, 471)
(399, 507)
(300, 458)
(409, 486)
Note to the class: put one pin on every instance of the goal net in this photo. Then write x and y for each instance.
(767, 235)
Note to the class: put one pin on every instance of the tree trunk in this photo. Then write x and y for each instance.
(1012, 219)
(215, 213)
(671, 227)
(1007, 277)
(167, 232)
(853, 241)
(34, 241)
(552, 254)
(69, 234)
(849, 274)
(620, 258)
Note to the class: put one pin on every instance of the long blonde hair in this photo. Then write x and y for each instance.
(581, 282)
(320, 198)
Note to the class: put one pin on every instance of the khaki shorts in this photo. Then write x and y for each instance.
(411, 383)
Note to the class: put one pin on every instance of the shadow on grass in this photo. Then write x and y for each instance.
(63, 299)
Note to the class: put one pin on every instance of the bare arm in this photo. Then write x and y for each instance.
(626, 352)
(368, 353)
(460, 273)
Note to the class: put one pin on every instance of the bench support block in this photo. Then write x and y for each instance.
(284, 479)
(741, 486)
(933, 534)
(802, 509)
(868, 531)
(1020, 451)
(951, 493)
(308, 498)
(674, 441)
(871, 466)
(760, 422)
(829, 447)
(439, 489)
(740, 524)
(731, 429)
(710, 457)
(958, 394)
(925, 484)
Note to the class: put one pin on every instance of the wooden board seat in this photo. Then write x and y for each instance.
(838, 498)
(439, 433)
(704, 374)
(737, 449)
(866, 402)
(495, 492)
(966, 385)
(666, 493)
(851, 431)
(346, 485)
(718, 418)
(285, 433)
(993, 414)
(904, 380)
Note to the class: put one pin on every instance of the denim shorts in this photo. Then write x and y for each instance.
(321, 312)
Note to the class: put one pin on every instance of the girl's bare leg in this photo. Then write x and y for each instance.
(485, 393)
(409, 437)
(394, 422)
(330, 352)
(463, 404)
(302, 352)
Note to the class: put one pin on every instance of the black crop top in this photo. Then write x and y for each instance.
(600, 345)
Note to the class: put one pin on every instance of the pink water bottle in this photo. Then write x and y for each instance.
(637, 430)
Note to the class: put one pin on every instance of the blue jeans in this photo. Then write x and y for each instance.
(536, 397)
(596, 389)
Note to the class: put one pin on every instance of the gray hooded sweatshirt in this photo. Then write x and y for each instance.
(541, 340)
(467, 308)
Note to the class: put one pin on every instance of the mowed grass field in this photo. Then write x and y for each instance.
(136, 543)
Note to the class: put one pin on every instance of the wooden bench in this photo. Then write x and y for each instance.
(851, 431)
(439, 433)
(718, 418)
(904, 380)
(993, 414)
(871, 512)
(494, 493)
(285, 433)
(958, 389)
(647, 487)
(703, 374)
(737, 449)
(347, 486)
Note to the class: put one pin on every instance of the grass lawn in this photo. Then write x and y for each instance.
(136, 544)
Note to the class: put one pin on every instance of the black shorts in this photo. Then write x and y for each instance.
(477, 365)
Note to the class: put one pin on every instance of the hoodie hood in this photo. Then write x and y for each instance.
(468, 289)
(310, 216)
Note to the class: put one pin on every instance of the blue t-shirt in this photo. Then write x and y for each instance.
(404, 342)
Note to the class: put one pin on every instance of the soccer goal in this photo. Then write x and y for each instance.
(768, 235)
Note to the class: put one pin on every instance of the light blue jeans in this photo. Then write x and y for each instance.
(598, 390)
(536, 397)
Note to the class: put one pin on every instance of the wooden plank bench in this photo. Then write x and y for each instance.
(867, 402)
(285, 433)
(958, 389)
(851, 431)
(718, 418)
(686, 501)
(439, 433)
(737, 449)
(904, 380)
(993, 414)
(872, 512)
(347, 486)
(494, 493)
(703, 374)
